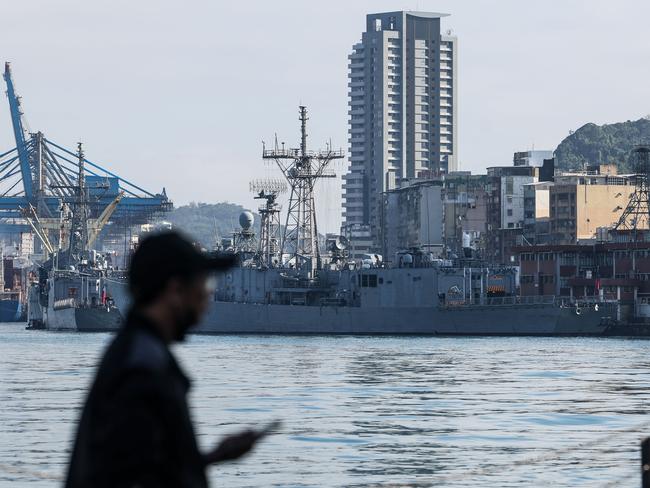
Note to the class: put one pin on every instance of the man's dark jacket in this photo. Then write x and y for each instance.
(135, 429)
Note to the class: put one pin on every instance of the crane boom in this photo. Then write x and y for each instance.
(103, 219)
(19, 133)
(29, 214)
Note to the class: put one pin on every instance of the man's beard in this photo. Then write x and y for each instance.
(184, 320)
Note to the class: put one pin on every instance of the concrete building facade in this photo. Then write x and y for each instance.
(580, 203)
(505, 216)
(402, 110)
(537, 211)
(573, 207)
(465, 208)
(413, 218)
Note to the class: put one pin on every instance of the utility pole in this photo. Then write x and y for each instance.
(636, 215)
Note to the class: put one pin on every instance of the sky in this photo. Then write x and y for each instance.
(181, 95)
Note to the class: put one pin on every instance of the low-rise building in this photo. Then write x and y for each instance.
(580, 203)
(576, 206)
(612, 270)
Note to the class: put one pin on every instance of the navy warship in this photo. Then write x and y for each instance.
(72, 288)
(284, 284)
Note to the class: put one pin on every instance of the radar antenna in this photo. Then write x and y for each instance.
(269, 241)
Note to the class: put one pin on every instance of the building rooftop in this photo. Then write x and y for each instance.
(427, 15)
(540, 184)
(413, 13)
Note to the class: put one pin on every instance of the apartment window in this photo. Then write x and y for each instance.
(509, 212)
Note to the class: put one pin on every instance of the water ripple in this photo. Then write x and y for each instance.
(361, 411)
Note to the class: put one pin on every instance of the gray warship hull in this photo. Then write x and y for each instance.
(83, 319)
(549, 320)
(73, 303)
(377, 311)
(393, 301)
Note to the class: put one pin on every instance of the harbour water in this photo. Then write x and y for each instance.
(362, 411)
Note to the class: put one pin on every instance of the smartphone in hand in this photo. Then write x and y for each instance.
(268, 429)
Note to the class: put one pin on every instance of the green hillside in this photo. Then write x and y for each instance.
(602, 144)
(206, 221)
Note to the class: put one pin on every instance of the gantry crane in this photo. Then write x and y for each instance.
(43, 174)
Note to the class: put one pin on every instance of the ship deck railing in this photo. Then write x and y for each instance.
(509, 301)
(585, 302)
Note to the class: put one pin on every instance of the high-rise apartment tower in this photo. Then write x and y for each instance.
(402, 113)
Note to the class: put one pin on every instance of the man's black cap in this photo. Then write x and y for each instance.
(166, 255)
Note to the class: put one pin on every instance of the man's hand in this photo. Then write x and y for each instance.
(233, 446)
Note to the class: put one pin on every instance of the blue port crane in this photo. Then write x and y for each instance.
(42, 174)
(19, 131)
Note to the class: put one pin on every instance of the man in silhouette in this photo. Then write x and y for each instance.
(135, 429)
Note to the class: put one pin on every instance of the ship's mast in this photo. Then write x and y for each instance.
(79, 224)
(302, 169)
(270, 238)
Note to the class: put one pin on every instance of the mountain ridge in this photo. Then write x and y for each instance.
(602, 144)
